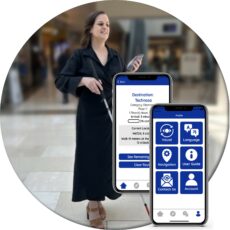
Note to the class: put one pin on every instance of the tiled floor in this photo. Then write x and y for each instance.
(41, 150)
(40, 147)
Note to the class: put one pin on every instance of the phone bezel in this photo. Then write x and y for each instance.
(151, 164)
(141, 76)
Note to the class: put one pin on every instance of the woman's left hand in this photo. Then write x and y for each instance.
(136, 65)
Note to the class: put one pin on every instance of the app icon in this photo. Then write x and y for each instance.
(123, 185)
(166, 154)
(191, 132)
(166, 180)
(198, 213)
(191, 158)
(166, 157)
(185, 213)
(191, 154)
(166, 130)
(172, 213)
(191, 182)
(136, 185)
(160, 214)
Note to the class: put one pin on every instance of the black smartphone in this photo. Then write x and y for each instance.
(179, 186)
(134, 94)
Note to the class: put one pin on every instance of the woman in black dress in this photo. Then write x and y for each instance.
(93, 157)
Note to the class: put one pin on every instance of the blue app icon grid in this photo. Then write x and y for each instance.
(191, 157)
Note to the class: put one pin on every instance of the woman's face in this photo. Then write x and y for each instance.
(100, 29)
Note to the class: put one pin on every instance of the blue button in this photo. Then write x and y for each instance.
(191, 182)
(191, 157)
(133, 156)
(198, 213)
(167, 182)
(166, 157)
(134, 164)
(191, 133)
(166, 132)
(123, 185)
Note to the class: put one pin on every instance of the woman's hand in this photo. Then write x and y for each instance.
(92, 84)
(136, 65)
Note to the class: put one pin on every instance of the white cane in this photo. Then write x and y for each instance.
(111, 117)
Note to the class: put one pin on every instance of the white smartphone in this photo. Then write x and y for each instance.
(134, 94)
(178, 164)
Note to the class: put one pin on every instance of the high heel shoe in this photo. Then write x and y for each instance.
(94, 217)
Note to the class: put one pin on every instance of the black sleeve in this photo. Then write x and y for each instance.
(68, 79)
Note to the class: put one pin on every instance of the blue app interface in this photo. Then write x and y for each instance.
(178, 165)
(134, 99)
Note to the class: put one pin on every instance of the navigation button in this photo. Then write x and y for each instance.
(166, 157)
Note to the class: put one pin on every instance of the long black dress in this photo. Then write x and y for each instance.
(93, 156)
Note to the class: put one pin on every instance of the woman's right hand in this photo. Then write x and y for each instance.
(95, 86)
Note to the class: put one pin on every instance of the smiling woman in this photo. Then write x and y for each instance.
(93, 164)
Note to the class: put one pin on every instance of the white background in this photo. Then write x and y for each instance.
(19, 19)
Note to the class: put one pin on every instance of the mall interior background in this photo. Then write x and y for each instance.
(38, 122)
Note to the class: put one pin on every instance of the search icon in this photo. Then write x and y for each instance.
(185, 213)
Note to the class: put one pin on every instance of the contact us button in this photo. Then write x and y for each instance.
(135, 164)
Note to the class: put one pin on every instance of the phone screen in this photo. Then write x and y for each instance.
(134, 96)
(178, 145)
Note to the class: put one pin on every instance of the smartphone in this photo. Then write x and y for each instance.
(178, 164)
(137, 57)
(134, 94)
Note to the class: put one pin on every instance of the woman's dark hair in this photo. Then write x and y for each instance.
(86, 38)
